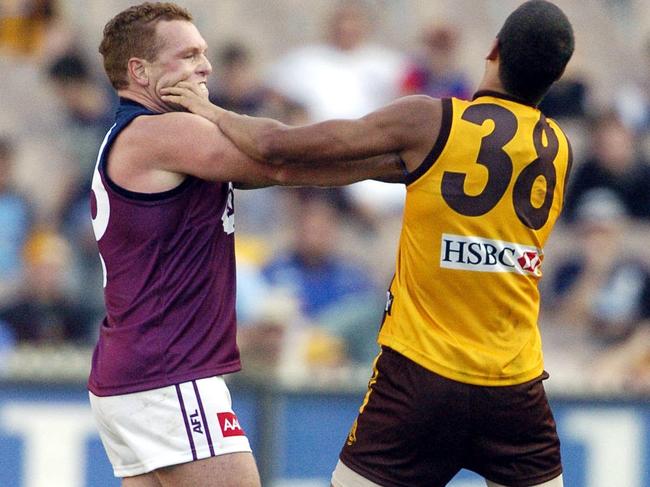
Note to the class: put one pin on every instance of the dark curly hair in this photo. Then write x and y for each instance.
(535, 45)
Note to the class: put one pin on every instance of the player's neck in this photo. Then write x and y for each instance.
(491, 80)
(144, 99)
(493, 88)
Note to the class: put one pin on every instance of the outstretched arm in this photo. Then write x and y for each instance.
(407, 127)
(386, 168)
(165, 147)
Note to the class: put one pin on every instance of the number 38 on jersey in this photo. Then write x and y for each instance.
(533, 185)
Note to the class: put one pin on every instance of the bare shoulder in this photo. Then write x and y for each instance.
(420, 120)
(168, 127)
(176, 144)
(154, 152)
(420, 101)
(168, 136)
(410, 115)
(420, 106)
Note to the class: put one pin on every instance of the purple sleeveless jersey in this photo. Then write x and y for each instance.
(169, 279)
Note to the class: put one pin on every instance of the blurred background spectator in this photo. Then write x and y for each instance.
(435, 71)
(16, 220)
(45, 310)
(345, 76)
(235, 85)
(23, 25)
(87, 105)
(310, 280)
(632, 99)
(567, 99)
(626, 366)
(313, 268)
(614, 163)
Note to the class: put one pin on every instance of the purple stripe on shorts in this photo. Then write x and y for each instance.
(205, 421)
(187, 423)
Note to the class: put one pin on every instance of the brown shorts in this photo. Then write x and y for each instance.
(417, 429)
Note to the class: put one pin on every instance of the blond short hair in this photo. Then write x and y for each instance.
(132, 33)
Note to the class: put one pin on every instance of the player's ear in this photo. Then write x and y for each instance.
(138, 72)
(493, 54)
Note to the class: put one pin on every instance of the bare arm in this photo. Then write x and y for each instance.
(386, 168)
(408, 127)
(167, 147)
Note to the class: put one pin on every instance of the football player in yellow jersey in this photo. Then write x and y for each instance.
(458, 383)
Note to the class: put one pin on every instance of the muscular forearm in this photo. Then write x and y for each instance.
(270, 141)
(387, 168)
(258, 138)
(247, 133)
(252, 135)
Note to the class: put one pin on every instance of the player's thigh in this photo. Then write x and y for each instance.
(230, 470)
(411, 429)
(514, 440)
(556, 482)
(146, 480)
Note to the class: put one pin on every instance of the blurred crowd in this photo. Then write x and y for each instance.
(313, 265)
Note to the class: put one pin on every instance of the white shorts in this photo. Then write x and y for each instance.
(144, 431)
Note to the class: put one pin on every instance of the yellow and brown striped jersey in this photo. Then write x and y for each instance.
(464, 301)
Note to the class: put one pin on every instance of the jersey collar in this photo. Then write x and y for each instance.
(505, 96)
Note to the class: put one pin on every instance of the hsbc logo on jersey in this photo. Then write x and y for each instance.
(530, 261)
(229, 424)
(484, 255)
